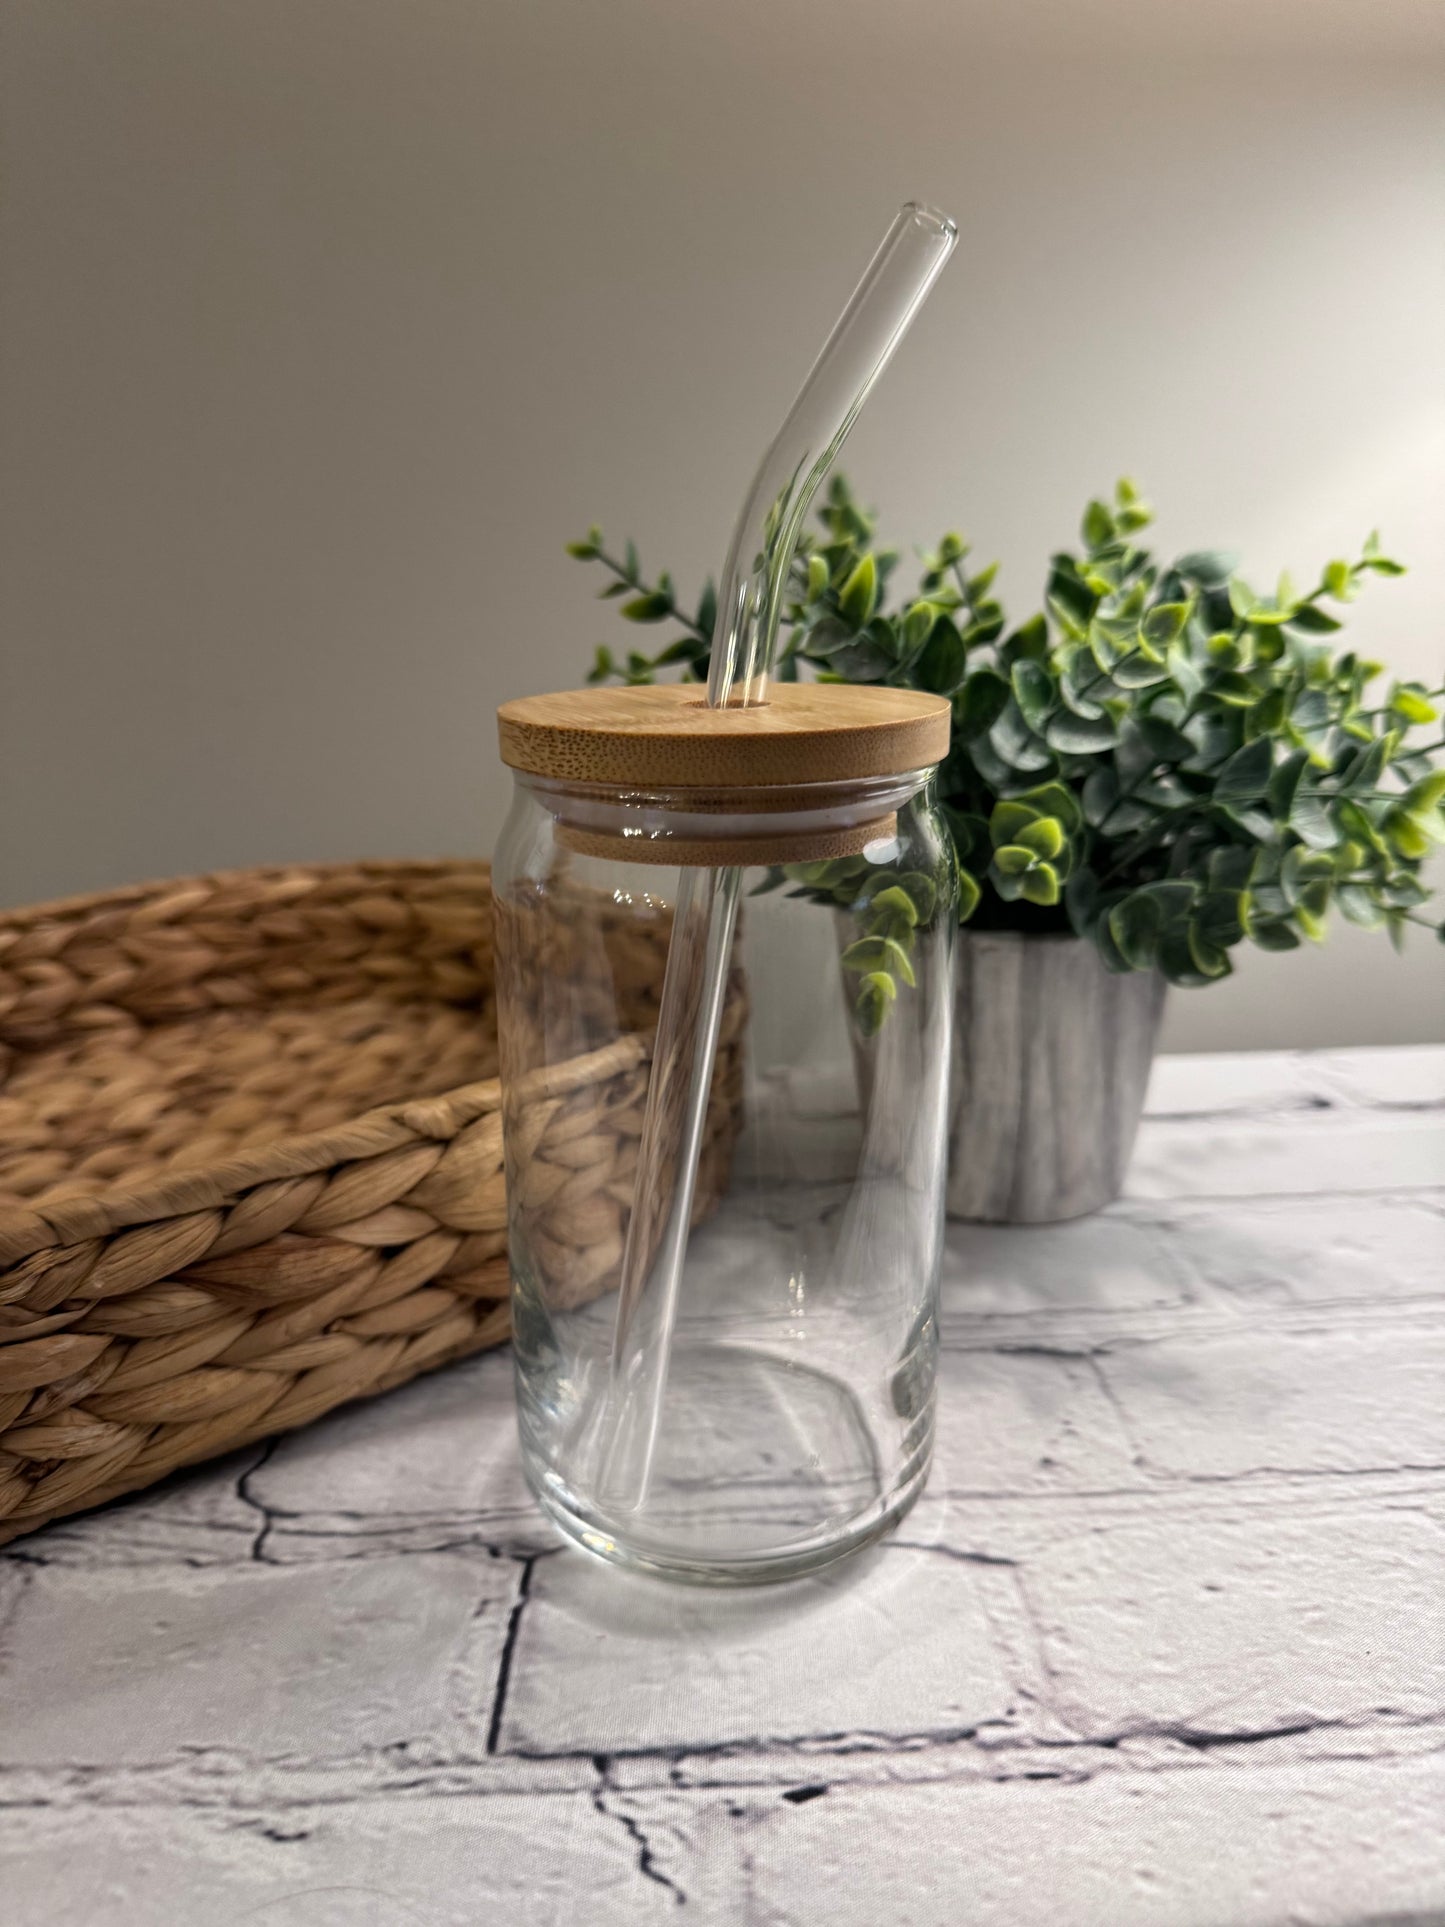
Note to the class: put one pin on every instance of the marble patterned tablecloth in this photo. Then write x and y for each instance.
(1164, 1641)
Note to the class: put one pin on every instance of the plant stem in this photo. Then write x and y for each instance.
(1151, 836)
(1103, 675)
(1123, 797)
(633, 582)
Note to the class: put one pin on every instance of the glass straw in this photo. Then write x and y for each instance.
(750, 600)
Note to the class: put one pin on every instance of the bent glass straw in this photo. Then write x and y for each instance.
(753, 586)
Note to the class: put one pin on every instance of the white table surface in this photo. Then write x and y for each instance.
(1162, 1643)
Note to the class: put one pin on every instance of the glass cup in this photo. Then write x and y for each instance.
(790, 1390)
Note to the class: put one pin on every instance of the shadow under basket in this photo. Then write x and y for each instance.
(251, 1157)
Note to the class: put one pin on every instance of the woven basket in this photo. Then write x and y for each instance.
(251, 1158)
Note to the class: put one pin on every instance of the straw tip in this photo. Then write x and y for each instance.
(933, 218)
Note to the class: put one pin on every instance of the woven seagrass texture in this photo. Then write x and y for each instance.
(251, 1158)
(573, 1153)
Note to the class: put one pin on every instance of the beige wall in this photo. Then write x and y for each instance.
(328, 320)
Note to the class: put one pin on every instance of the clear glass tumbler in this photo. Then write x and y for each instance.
(793, 1388)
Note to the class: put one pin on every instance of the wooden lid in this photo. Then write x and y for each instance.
(667, 736)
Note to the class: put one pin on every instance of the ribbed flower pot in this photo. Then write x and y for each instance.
(1051, 1056)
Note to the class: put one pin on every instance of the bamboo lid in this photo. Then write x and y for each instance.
(666, 735)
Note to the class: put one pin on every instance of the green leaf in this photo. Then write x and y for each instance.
(1218, 919)
(584, 551)
(1409, 700)
(1210, 959)
(858, 597)
(1163, 624)
(1405, 834)
(1013, 859)
(1242, 598)
(1081, 901)
(969, 894)
(1303, 875)
(1359, 906)
(1080, 735)
(918, 624)
(1101, 801)
(1098, 525)
(879, 953)
(1033, 692)
(817, 577)
(1041, 885)
(1053, 799)
(1134, 925)
(1080, 683)
(828, 638)
(1030, 639)
(1339, 581)
(1426, 795)
(655, 607)
(1008, 818)
(922, 894)
(892, 912)
(1244, 778)
(685, 649)
(875, 994)
(1364, 770)
(1186, 675)
(1045, 838)
(707, 609)
(970, 834)
(1236, 690)
(1225, 651)
(1165, 743)
(991, 769)
(1211, 568)
(1176, 961)
(1070, 602)
(1313, 620)
(942, 666)
(987, 624)
(1274, 933)
(1231, 869)
(1312, 817)
(1176, 897)
(1311, 919)
(1099, 795)
(1138, 672)
(1016, 743)
(1113, 958)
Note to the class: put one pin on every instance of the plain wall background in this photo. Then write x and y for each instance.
(327, 321)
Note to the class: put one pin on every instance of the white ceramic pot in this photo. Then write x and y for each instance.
(1051, 1056)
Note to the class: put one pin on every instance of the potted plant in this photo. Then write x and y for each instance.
(1158, 766)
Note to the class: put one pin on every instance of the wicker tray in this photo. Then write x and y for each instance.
(251, 1159)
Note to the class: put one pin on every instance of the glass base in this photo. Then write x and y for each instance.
(764, 1470)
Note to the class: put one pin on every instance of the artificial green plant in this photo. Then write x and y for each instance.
(1162, 760)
